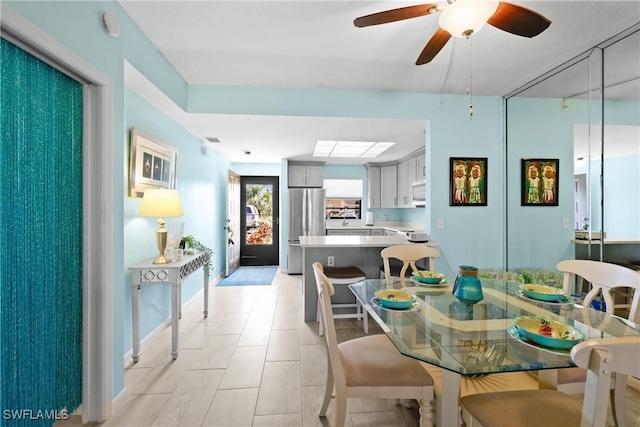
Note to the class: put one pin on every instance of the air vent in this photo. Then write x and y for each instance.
(212, 139)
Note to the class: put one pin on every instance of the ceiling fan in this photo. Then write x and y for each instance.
(462, 18)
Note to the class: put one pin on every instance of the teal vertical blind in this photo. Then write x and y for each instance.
(41, 240)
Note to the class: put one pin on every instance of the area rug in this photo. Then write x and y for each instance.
(248, 276)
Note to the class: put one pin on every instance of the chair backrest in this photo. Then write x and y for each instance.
(325, 290)
(408, 254)
(602, 358)
(603, 277)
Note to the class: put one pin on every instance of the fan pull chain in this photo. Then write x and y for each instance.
(470, 75)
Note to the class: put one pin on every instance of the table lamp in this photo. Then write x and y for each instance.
(161, 203)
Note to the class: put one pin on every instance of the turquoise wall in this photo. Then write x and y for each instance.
(201, 182)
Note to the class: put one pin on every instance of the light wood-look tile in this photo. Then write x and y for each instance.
(245, 368)
(138, 411)
(255, 333)
(232, 324)
(285, 420)
(166, 375)
(232, 408)
(190, 401)
(314, 364)
(281, 389)
(286, 318)
(216, 353)
(284, 344)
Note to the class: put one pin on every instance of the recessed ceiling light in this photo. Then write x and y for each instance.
(364, 149)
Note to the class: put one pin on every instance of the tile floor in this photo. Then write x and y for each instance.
(252, 362)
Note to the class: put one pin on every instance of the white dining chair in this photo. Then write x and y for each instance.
(602, 358)
(605, 278)
(408, 254)
(369, 367)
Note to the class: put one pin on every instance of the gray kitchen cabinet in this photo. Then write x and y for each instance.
(348, 232)
(390, 233)
(406, 176)
(336, 232)
(373, 187)
(421, 172)
(389, 186)
(307, 176)
(377, 232)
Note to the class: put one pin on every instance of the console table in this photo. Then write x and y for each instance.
(172, 274)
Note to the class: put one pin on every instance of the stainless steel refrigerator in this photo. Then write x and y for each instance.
(306, 218)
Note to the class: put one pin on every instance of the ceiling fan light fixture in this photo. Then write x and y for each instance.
(463, 18)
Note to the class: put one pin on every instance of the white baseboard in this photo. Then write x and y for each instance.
(120, 400)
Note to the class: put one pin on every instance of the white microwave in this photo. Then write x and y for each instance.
(418, 193)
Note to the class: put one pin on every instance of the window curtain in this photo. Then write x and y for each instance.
(41, 240)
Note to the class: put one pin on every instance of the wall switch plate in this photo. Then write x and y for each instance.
(330, 261)
(565, 223)
(440, 224)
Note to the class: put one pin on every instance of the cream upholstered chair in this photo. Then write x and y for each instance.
(605, 278)
(345, 276)
(408, 254)
(368, 367)
(601, 357)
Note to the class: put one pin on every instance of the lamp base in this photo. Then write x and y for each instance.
(162, 260)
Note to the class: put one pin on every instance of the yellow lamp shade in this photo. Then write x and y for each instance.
(160, 203)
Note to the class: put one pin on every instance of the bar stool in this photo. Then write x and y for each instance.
(340, 276)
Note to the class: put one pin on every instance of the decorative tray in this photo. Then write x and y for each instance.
(513, 332)
(415, 306)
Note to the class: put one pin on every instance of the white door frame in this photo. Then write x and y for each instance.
(234, 233)
(97, 193)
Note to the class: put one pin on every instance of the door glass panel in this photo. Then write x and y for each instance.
(259, 211)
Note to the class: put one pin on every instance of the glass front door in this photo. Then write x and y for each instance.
(260, 224)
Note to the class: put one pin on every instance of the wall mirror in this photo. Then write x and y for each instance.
(586, 113)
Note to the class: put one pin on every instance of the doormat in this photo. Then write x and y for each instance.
(250, 276)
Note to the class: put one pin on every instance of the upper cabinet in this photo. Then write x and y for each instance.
(389, 186)
(421, 172)
(406, 176)
(373, 186)
(306, 175)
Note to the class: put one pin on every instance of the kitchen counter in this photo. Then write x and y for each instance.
(355, 241)
(360, 251)
(390, 227)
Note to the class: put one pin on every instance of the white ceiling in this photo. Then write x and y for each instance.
(315, 44)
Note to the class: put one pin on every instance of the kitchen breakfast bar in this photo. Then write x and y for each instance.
(360, 251)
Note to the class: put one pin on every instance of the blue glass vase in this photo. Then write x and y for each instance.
(467, 285)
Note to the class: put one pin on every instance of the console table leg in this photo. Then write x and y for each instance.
(206, 292)
(135, 320)
(175, 291)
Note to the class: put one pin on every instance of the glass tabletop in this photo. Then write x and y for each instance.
(473, 339)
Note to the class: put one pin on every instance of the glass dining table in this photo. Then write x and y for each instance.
(475, 339)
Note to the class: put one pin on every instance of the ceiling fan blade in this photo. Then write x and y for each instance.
(518, 20)
(435, 45)
(394, 15)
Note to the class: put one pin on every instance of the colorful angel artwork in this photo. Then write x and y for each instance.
(468, 181)
(540, 182)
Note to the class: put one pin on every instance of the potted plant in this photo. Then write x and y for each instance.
(193, 246)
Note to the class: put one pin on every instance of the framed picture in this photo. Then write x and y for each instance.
(540, 182)
(152, 164)
(468, 181)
